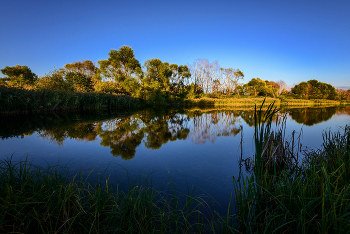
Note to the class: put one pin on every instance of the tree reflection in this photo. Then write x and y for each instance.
(122, 135)
(124, 132)
(208, 126)
(78, 131)
(310, 116)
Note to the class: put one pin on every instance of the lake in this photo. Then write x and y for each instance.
(197, 147)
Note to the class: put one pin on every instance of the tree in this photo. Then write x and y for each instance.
(255, 86)
(343, 95)
(78, 81)
(120, 65)
(315, 90)
(156, 80)
(179, 77)
(19, 75)
(85, 67)
(198, 75)
(282, 86)
(216, 86)
(230, 78)
(54, 80)
(118, 72)
(203, 74)
(81, 76)
(272, 88)
(301, 90)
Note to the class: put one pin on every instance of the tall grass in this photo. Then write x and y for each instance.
(17, 100)
(306, 195)
(47, 200)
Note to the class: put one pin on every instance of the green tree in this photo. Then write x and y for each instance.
(156, 80)
(121, 68)
(19, 75)
(54, 80)
(78, 81)
(255, 86)
(301, 90)
(315, 90)
(85, 67)
(120, 65)
(179, 77)
(260, 87)
(231, 77)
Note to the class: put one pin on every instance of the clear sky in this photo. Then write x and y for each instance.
(291, 40)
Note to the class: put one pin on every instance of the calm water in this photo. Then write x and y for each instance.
(200, 146)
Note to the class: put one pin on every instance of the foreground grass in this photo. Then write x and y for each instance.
(288, 194)
(47, 200)
(19, 100)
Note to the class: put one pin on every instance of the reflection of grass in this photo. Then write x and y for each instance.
(45, 200)
(293, 197)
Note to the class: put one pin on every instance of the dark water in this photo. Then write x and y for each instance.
(195, 147)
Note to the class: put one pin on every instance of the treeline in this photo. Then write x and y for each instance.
(160, 82)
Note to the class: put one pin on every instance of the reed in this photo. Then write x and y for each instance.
(21, 100)
(287, 194)
(48, 200)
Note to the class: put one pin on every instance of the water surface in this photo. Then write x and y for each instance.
(195, 147)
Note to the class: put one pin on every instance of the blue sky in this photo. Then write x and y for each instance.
(290, 40)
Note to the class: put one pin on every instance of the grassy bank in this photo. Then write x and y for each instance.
(234, 101)
(251, 101)
(21, 100)
(14, 100)
(291, 194)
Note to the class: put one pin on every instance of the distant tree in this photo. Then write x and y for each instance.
(255, 86)
(203, 73)
(85, 67)
(78, 81)
(19, 75)
(282, 86)
(240, 89)
(230, 79)
(54, 80)
(272, 89)
(315, 90)
(156, 80)
(216, 86)
(273, 84)
(121, 71)
(343, 94)
(120, 65)
(81, 76)
(302, 90)
(179, 77)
